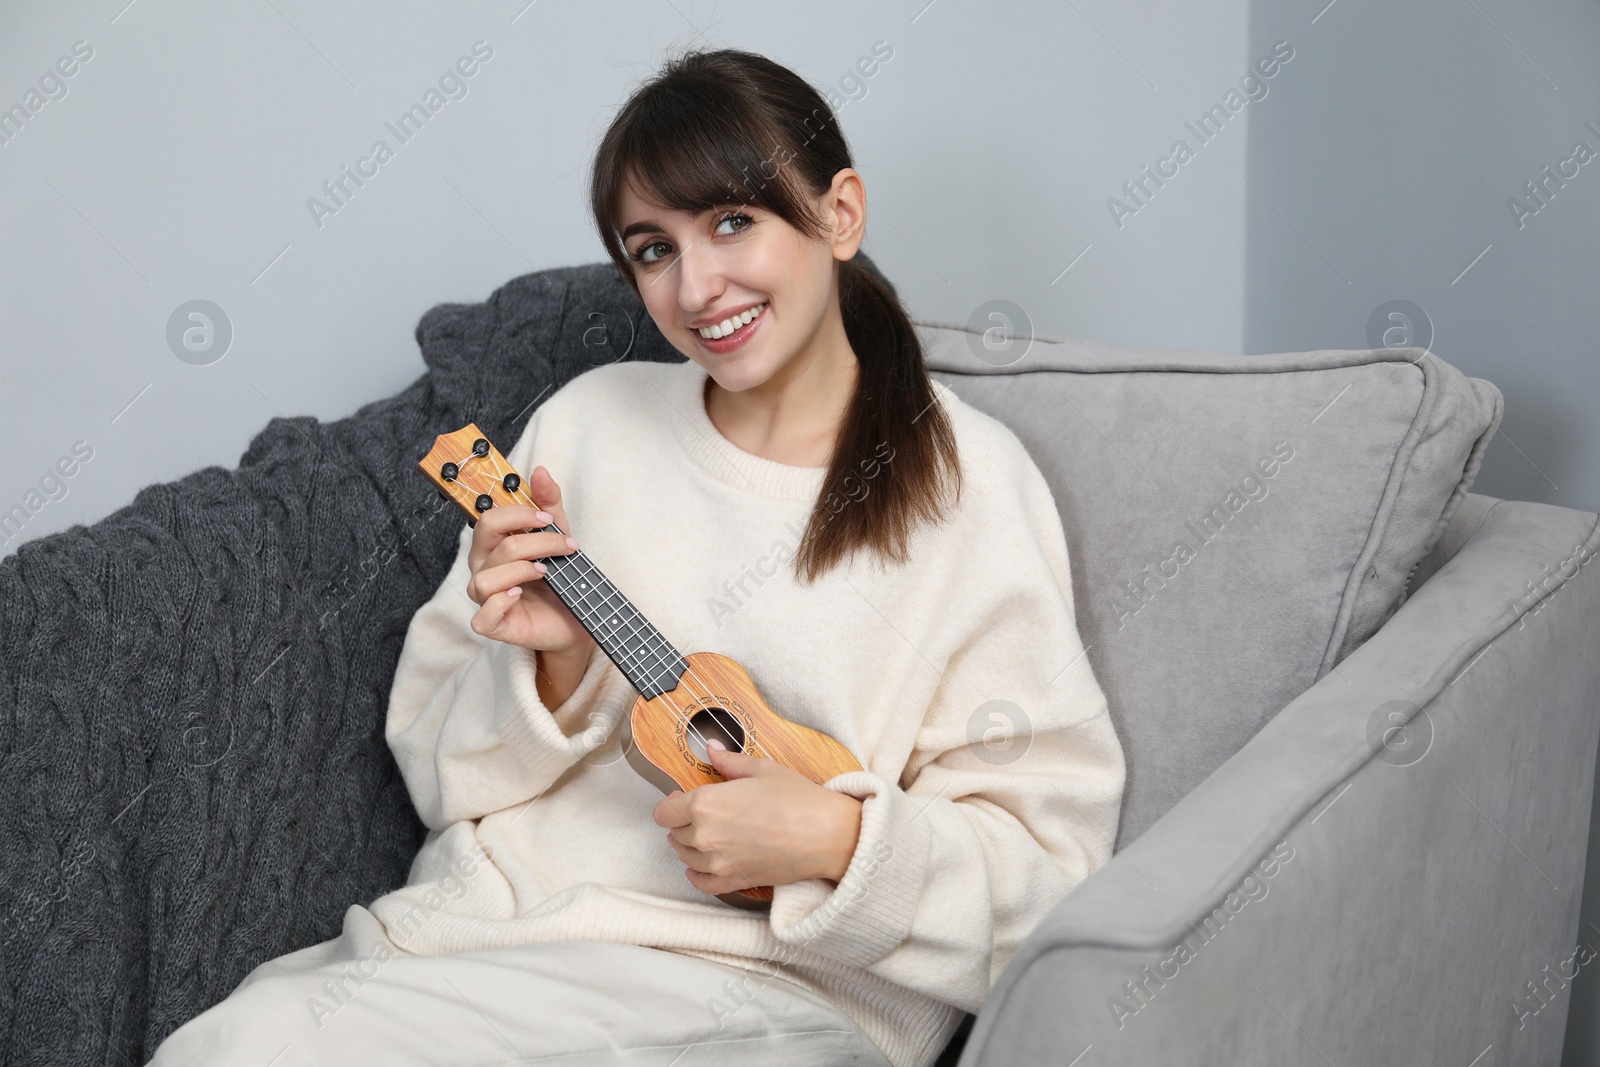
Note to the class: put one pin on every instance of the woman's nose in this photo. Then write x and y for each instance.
(699, 278)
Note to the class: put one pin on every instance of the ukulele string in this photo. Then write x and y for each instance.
(562, 564)
(699, 700)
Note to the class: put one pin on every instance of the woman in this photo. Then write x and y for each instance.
(885, 561)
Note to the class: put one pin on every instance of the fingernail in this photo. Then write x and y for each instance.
(540, 567)
(717, 743)
(543, 517)
(572, 542)
(514, 591)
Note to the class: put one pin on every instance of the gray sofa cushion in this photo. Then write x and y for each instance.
(1237, 525)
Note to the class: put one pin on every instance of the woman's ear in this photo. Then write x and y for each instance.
(847, 206)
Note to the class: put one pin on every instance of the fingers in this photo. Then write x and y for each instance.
(501, 539)
(734, 765)
(542, 487)
(493, 527)
(707, 867)
(507, 520)
(504, 556)
(487, 620)
(690, 856)
(673, 810)
(681, 839)
(711, 867)
(721, 759)
(490, 581)
(539, 543)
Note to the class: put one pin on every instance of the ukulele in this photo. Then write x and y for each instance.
(684, 700)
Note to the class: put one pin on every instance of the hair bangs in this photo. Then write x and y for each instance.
(684, 149)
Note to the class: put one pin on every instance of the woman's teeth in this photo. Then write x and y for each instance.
(727, 326)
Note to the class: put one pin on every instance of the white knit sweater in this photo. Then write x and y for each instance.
(993, 777)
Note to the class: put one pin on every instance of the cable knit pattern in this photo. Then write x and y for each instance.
(992, 777)
(193, 771)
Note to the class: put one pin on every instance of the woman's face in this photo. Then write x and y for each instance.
(721, 266)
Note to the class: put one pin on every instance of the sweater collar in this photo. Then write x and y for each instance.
(721, 458)
(725, 461)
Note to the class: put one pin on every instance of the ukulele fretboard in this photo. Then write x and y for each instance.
(645, 657)
(467, 469)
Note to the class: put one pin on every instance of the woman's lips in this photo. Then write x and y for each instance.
(737, 338)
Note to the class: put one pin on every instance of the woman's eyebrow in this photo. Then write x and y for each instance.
(648, 226)
(652, 226)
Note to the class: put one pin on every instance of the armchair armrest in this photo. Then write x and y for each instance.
(1338, 892)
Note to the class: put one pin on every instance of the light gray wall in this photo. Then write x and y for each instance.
(1384, 173)
(179, 163)
(1403, 131)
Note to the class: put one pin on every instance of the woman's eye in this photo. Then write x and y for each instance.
(640, 256)
(643, 256)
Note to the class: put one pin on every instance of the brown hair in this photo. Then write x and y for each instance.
(731, 127)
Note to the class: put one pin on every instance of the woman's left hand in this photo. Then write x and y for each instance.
(766, 825)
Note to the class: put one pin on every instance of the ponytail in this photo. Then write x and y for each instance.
(722, 127)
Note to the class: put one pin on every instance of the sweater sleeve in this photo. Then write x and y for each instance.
(1010, 798)
(465, 722)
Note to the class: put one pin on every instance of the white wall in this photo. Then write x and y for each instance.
(179, 163)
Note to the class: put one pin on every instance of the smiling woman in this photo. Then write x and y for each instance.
(726, 189)
(919, 614)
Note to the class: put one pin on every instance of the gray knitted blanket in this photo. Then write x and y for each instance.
(193, 773)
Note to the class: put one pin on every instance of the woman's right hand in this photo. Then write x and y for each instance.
(515, 605)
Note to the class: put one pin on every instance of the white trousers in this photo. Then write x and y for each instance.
(359, 998)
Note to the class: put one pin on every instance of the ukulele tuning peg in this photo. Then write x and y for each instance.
(449, 471)
(512, 482)
(480, 447)
(484, 502)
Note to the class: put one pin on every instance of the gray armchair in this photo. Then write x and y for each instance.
(1356, 759)
(1360, 716)
(1346, 900)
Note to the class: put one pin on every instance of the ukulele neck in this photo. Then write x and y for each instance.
(645, 657)
(469, 471)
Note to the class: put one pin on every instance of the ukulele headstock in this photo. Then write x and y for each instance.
(467, 469)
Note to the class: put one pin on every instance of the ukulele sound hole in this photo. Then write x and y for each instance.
(708, 723)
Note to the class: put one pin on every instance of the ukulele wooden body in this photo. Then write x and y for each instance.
(684, 700)
(715, 698)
